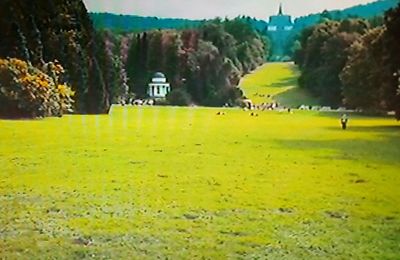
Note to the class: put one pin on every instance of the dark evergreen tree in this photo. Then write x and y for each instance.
(56, 30)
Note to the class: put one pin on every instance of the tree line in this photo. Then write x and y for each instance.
(135, 23)
(204, 64)
(353, 63)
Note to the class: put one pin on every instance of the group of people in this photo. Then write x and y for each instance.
(138, 102)
(267, 106)
(262, 106)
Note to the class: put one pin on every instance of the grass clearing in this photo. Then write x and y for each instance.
(186, 183)
(276, 82)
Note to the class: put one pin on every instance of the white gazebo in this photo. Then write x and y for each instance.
(159, 87)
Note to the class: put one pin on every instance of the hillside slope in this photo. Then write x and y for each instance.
(276, 82)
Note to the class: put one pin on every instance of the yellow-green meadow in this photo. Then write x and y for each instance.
(186, 183)
(276, 82)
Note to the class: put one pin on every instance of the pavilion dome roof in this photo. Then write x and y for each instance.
(159, 75)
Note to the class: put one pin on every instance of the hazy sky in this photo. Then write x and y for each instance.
(198, 9)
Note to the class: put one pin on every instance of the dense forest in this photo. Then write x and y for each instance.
(353, 63)
(133, 23)
(204, 64)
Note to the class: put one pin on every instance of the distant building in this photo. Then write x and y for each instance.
(159, 87)
(279, 29)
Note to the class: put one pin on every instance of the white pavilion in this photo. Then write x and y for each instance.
(159, 87)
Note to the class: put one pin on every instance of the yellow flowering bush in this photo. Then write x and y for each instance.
(26, 91)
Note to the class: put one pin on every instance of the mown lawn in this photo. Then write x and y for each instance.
(184, 183)
(276, 82)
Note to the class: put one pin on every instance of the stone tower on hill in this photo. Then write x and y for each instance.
(279, 29)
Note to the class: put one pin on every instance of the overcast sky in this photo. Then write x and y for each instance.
(199, 9)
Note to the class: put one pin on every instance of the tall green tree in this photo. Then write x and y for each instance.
(155, 56)
(323, 56)
(372, 72)
(361, 76)
(392, 58)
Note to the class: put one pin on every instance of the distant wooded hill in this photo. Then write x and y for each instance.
(366, 11)
(134, 23)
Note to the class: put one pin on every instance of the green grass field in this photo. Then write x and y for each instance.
(276, 82)
(185, 183)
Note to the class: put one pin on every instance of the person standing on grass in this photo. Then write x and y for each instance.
(343, 120)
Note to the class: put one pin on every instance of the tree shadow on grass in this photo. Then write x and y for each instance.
(286, 82)
(296, 97)
(20, 118)
(336, 113)
(385, 148)
(390, 129)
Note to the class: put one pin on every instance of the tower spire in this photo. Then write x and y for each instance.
(280, 9)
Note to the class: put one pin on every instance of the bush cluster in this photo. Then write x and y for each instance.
(27, 91)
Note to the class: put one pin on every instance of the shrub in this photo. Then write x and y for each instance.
(179, 97)
(26, 91)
